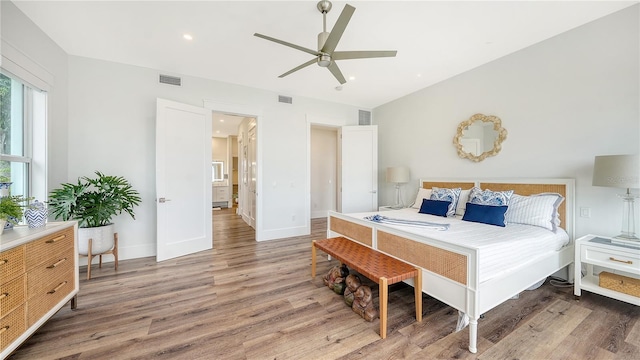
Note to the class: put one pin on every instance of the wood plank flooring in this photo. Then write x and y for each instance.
(256, 300)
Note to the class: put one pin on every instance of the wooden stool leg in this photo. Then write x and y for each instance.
(100, 262)
(417, 288)
(384, 292)
(313, 259)
(90, 257)
(115, 248)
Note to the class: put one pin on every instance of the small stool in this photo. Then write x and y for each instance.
(113, 251)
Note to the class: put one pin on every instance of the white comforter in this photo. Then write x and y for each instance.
(499, 248)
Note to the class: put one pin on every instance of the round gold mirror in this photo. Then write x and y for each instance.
(479, 137)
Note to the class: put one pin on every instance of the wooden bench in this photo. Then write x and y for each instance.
(384, 270)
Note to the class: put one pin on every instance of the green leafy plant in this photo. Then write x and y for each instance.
(11, 208)
(94, 201)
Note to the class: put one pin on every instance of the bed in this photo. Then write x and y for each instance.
(458, 267)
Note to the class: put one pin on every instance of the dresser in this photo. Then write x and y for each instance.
(38, 276)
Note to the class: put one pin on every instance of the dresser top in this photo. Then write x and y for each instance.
(23, 234)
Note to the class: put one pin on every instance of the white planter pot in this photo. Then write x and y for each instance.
(102, 239)
(2, 224)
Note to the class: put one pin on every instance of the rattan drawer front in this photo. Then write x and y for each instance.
(12, 295)
(443, 262)
(359, 233)
(47, 298)
(12, 326)
(11, 263)
(39, 277)
(47, 246)
(609, 258)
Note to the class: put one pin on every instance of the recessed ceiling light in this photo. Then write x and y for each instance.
(352, 78)
(221, 120)
(187, 37)
(217, 131)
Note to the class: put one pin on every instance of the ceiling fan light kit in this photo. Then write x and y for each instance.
(326, 55)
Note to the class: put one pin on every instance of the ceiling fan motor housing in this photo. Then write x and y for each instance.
(325, 59)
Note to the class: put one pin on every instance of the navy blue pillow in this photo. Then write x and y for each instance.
(486, 214)
(434, 207)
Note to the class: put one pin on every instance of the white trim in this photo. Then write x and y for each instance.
(23, 67)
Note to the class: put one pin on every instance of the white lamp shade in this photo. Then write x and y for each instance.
(398, 174)
(621, 171)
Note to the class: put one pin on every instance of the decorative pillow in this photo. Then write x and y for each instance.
(422, 194)
(488, 197)
(537, 210)
(451, 195)
(435, 207)
(486, 214)
(462, 201)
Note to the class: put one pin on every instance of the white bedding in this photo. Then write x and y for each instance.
(499, 248)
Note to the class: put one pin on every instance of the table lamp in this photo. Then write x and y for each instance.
(398, 175)
(620, 171)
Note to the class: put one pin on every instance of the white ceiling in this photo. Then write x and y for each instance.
(435, 40)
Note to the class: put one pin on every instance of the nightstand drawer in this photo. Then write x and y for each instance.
(610, 258)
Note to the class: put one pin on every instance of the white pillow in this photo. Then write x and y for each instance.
(462, 201)
(422, 194)
(537, 210)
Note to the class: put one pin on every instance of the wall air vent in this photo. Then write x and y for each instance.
(285, 99)
(364, 117)
(170, 80)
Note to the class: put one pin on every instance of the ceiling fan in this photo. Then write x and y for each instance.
(326, 55)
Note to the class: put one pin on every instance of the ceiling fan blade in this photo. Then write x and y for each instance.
(312, 52)
(312, 61)
(333, 67)
(338, 28)
(344, 55)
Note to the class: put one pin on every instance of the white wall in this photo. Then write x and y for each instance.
(563, 101)
(115, 104)
(21, 34)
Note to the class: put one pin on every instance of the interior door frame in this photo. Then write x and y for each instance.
(246, 110)
(316, 120)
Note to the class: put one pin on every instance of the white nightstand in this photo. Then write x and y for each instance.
(599, 251)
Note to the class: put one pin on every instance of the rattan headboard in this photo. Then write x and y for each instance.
(563, 187)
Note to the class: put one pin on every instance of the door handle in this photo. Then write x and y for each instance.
(163, 200)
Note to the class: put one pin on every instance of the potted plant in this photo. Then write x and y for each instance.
(93, 202)
(10, 210)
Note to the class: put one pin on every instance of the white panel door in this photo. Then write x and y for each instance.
(183, 179)
(359, 168)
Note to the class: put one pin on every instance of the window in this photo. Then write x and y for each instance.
(20, 107)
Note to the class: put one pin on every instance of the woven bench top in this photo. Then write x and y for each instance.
(368, 262)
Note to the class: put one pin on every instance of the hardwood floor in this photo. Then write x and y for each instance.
(250, 300)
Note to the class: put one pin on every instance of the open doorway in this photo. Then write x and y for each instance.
(224, 155)
(234, 148)
(324, 170)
